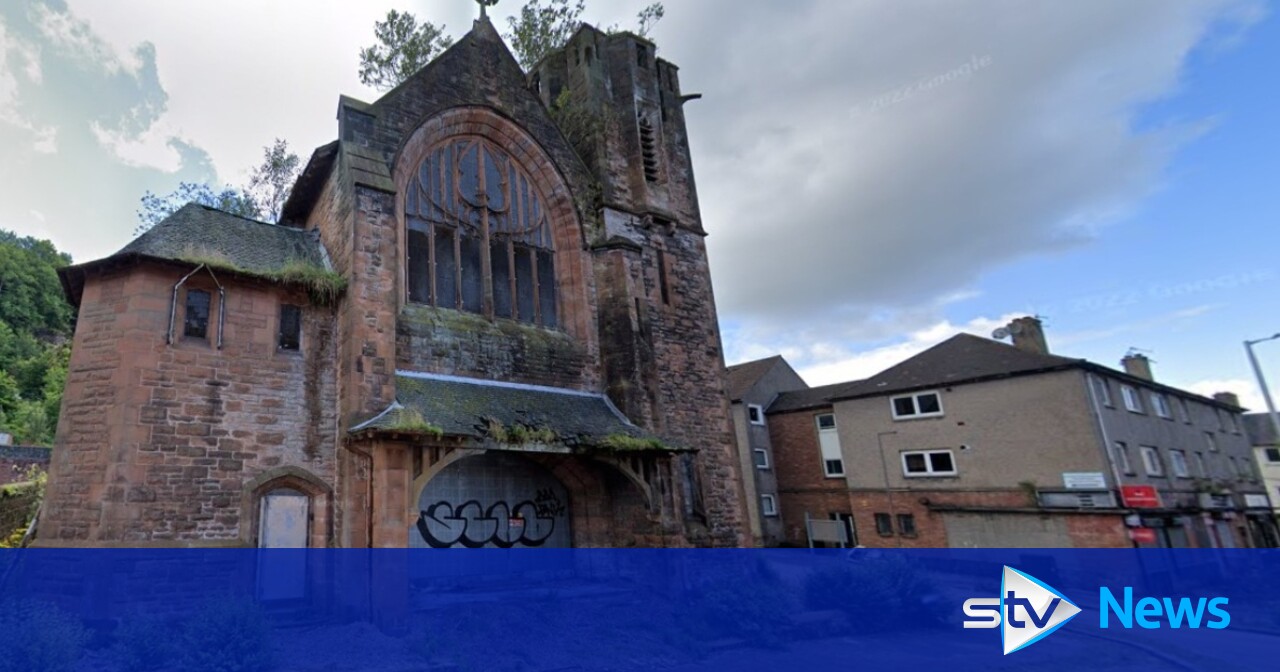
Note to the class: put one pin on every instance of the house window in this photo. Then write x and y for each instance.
(472, 211)
(1178, 461)
(829, 446)
(1232, 426)
(768, 506)
(290, 336)
(762, 458)
(1162, 407)
(1131, 401)
(1183, 415)
(850, 529)
(1103, 389)
(884, 525)
(907, 524)
(1211, 442)
(1273, 454)
(1151, 461)
(919, 405)
(1122, 457)
(928, 463)
(1201, 471)
(755, 414)
(195, 323)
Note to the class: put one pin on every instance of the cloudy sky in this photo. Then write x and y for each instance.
(875, 176)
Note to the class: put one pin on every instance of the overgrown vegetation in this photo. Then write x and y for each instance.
(228, 634)
(410, 420)
(625, 443)
(35, 323)
(876, 593)
(31, 489)
(518, 434)
(323, 286)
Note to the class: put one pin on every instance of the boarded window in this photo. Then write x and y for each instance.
(196, 320)
(290, 337)
(419, 266)
(500, 267)
(524, 284)
(547, 288)
(446, 270)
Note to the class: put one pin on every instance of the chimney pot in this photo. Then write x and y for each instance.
(1227, 398)
(1137, 365)
(1028, 335)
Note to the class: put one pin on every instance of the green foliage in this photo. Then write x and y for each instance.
(38, 637)
(624, 443)
(145, 642)
(723, 609)
(35, 320)
(403, 47)
(410, 420)
(228, 634)
(231, 199)
(542, 27)
(271, 182)
(325, 287)
(518, 434)
(648, 17)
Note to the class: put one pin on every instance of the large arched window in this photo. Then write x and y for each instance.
(479, 238)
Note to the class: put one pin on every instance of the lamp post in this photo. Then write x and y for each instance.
(1262, 382)
(888, 490)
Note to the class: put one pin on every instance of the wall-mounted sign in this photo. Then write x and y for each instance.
(1143, 535)
(1256, 501)
(1084, 480)
(1140, 496)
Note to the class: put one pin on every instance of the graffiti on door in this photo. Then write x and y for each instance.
(501, 524)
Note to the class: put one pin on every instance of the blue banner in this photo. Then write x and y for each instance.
(598, 609)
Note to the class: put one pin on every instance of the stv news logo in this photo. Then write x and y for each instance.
(1027, 610)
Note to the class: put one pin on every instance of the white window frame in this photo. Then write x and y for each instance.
(1178, 464)
(759, 410)
(1103, 389)
(1151, 462)
(915, 404)
(1122, 457)
(769, 505)
(833, 432)
(929, 471)
(1183, 414)
(1161, 406)
(1132, 401)
(1232, 425)
(1211, 441)
(1272, 455)
(1202, 468)
(762, 465)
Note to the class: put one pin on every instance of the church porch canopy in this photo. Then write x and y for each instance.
(509, 416)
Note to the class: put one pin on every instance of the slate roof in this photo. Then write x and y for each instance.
(463, 407)
(196, 231)
(1260, 430)
(814, 397)
(740, 377)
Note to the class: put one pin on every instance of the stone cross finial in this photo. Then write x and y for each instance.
(485, 4)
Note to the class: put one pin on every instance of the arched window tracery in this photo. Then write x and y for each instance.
(479, 234)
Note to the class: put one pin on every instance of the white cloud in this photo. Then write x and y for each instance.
(1248, 392)
(155, 147)
(74, 37)
(20, 60)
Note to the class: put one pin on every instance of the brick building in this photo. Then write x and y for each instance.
(977, 443)
(478, 323)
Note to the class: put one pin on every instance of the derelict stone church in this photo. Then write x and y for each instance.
(474, 326)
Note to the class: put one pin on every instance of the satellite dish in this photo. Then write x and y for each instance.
(1015, 328)
(1000, 333)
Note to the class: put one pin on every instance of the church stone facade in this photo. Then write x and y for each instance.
(484, 319)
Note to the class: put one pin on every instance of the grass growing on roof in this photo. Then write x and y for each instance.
(323, 285)
(518, 434)
(624, 442)
(410, 420)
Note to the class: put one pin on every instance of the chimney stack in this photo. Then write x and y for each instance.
(1138, 366)
(1028, 335)
(1227, 398)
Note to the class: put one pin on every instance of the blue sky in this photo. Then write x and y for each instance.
(875, 176)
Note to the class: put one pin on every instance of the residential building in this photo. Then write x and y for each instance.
(752, 388)
(1261, 431)
(464, 331)
(977, 443)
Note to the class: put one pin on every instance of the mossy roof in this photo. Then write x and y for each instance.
(464, 407)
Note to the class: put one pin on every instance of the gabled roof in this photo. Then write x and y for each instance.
(814, 397)
(1260, 429)
(197, 234)
(466, 407)
(740, 377)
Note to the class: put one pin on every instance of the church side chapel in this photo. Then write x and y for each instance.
(474, 326)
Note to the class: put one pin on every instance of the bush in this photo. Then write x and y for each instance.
(228, 634)
(145, 642)
(38, 637)
(747, 607)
